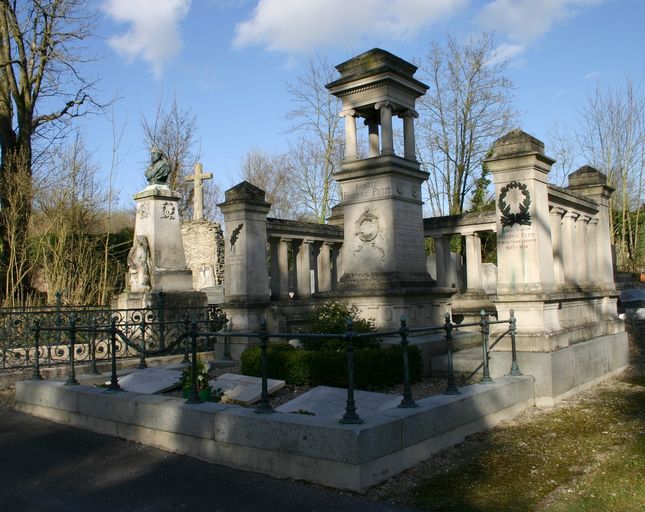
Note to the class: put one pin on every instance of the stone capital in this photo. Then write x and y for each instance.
(408, 113)
(556, 210)
(348, 113)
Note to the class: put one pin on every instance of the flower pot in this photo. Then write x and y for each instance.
(205, 394)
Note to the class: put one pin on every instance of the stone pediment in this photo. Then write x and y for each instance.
(245, 191)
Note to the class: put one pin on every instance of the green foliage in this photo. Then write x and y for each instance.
(374, 367)
(331, 317)
(202, 376)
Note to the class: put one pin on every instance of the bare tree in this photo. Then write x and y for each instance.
(611, 136)
(42, 85)
(562, 147)
(174, 131)
(315, 119)
(274, 175)
(467, 107)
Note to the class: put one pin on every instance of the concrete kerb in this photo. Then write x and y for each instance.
(304, 447)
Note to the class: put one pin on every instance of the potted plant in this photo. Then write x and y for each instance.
(203, 388)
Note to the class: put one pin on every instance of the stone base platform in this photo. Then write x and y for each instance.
(312, 448)
(557, 374)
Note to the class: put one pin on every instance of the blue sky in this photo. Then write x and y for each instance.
(227, 61)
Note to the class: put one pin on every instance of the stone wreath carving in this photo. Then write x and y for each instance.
(522, 217)
(367, 230)
(168, 210)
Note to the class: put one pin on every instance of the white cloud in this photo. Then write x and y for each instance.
(153, 34)
(302, 25)
(594, 75)
(524, 21)
(506, 52)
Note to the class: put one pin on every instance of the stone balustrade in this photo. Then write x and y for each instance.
(305, 258)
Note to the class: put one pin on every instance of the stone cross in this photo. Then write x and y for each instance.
(198, 194)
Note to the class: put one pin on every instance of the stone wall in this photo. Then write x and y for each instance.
(204, 244)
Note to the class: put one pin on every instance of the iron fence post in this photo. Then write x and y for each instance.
(486, 378)
(451, 388)
(114, 380)
(186, 359)
(515, 367)
(36, 375)
(71, 376)
(264, 407)
(193, 398)
(350, 416)
(407, 401)
(142, 344)
(162, 320)
(227, 348)
(94, 370)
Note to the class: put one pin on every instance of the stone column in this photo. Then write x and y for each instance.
(324, 268)
(569, 246)
(582, 269)
(337, 264)
(351, 143)
(274, 244)
(372, 129)
(387, 136)
(593, 184)
(283, 259)
(556, 240)
(409, 147)
(442, 248)
(592, 251)
(473, 262)
(303, 269)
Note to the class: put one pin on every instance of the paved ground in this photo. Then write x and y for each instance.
(48, 467)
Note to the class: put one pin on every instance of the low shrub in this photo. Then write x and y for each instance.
(330, 317)
(374, 367)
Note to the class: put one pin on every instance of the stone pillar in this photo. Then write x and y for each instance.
(246, 288)
(569, 246)
(442, 248)
(592, 251)
(473, 262)
(303, 270)
(372, 129)
(323, 264)
(582, 269)
(387, 136)
(337, 264)
(283, 259)
(556, 240)
(351, 143)
(275, 267)
(593, 184)
(409, 144)
(524, 250)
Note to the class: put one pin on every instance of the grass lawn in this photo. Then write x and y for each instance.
(585, 454)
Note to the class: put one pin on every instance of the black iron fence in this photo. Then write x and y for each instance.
(43, 333)
(196, 331)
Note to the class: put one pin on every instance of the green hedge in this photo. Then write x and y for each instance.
(374, 367)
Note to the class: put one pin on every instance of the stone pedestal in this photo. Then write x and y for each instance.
(158, 220)
(246, 288)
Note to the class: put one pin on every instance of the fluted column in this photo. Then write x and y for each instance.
(568, 246)
(372, 130)
(473, 262)
(351, 142)
(387, 136)
(409, 144)
(556, 240)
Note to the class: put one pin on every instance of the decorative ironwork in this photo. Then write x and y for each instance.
(521, 218)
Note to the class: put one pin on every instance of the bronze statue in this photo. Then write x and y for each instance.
(159, 169)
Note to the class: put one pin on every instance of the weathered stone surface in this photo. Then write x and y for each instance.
(204, 246)
(151, 380)
(243, 388)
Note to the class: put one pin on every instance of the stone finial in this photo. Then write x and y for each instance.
(585, 176)
(516, 142)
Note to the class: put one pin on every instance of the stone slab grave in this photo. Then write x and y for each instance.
(326, 401)
(152, 380)
(243, 388)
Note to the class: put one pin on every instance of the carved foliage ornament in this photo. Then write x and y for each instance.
(521, 217)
